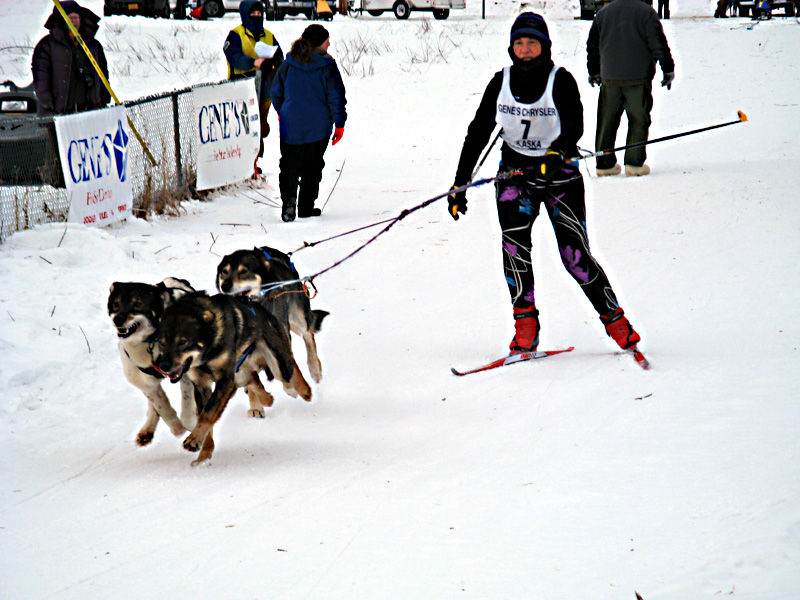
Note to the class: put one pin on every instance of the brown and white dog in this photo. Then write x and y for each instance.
(136, 309)
(221, 343)
(257, 274)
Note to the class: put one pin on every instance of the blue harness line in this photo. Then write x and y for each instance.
(244, 357)
(249, 348)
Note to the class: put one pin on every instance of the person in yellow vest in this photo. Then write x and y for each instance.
(252, 51)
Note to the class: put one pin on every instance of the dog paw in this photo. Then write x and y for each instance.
(256, 413)
(143, 438)
(191, 443)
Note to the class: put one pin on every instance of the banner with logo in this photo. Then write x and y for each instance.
(229, 132)
(93, 147)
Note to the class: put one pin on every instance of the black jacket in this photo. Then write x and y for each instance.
(625, 41)
(528, 82)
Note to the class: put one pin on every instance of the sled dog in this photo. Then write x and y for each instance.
(136, 310)
(220, 343)
(253, 273)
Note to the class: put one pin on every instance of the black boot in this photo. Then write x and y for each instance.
(289, 209)
(305, 211)
(306, 197)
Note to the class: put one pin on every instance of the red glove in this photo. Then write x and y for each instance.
(338, 133)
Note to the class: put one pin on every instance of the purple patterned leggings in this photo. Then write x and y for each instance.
(518, 204)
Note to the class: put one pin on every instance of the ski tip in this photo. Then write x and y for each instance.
(742, 116)
(640, 358)
(454, 372)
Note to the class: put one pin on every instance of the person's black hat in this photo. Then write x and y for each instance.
(530, 25)
(315, 35)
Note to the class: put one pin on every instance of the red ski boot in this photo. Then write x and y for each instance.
(620, 330)
(526, 324)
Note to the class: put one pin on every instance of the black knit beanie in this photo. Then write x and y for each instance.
(315, 35)
(533, 26)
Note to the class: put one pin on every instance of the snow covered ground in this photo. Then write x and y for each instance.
(577, 477)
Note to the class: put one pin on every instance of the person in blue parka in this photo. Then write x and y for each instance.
(308, 94)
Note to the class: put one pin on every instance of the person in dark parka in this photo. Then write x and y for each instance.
(308, 94)
(625, 41)
(63, 76)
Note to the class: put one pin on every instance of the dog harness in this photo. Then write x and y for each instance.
(152, 370)
(277, 284)
(244, 357)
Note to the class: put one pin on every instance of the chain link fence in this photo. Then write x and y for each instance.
(32, 189)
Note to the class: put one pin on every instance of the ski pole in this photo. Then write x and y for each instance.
(742, 118)
(478, 168)
(489, 149)
(103, 78)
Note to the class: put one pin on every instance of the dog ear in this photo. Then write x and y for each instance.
(111, 289)
(166, 299)
(208, 316)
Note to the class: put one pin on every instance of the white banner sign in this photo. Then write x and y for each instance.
(93, 147)
(229, 132)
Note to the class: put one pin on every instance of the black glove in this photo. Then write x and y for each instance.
(667, 81)
(595, 80)
(457, 203)
(552, 163)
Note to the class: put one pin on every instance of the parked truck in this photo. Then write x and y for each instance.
(274, 10)
(402, 8)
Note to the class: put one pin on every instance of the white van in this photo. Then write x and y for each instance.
(402, 8)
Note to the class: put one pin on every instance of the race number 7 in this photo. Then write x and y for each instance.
(527, 128)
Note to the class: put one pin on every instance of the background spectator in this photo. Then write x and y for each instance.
(722, 6)
(625, 41)
(64, 79)
(242, 53)
(309, 96)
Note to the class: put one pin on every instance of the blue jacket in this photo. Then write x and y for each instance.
(310, 99)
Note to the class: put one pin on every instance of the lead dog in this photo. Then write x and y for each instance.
(136, 309)
(254, 273)
(224, 342)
